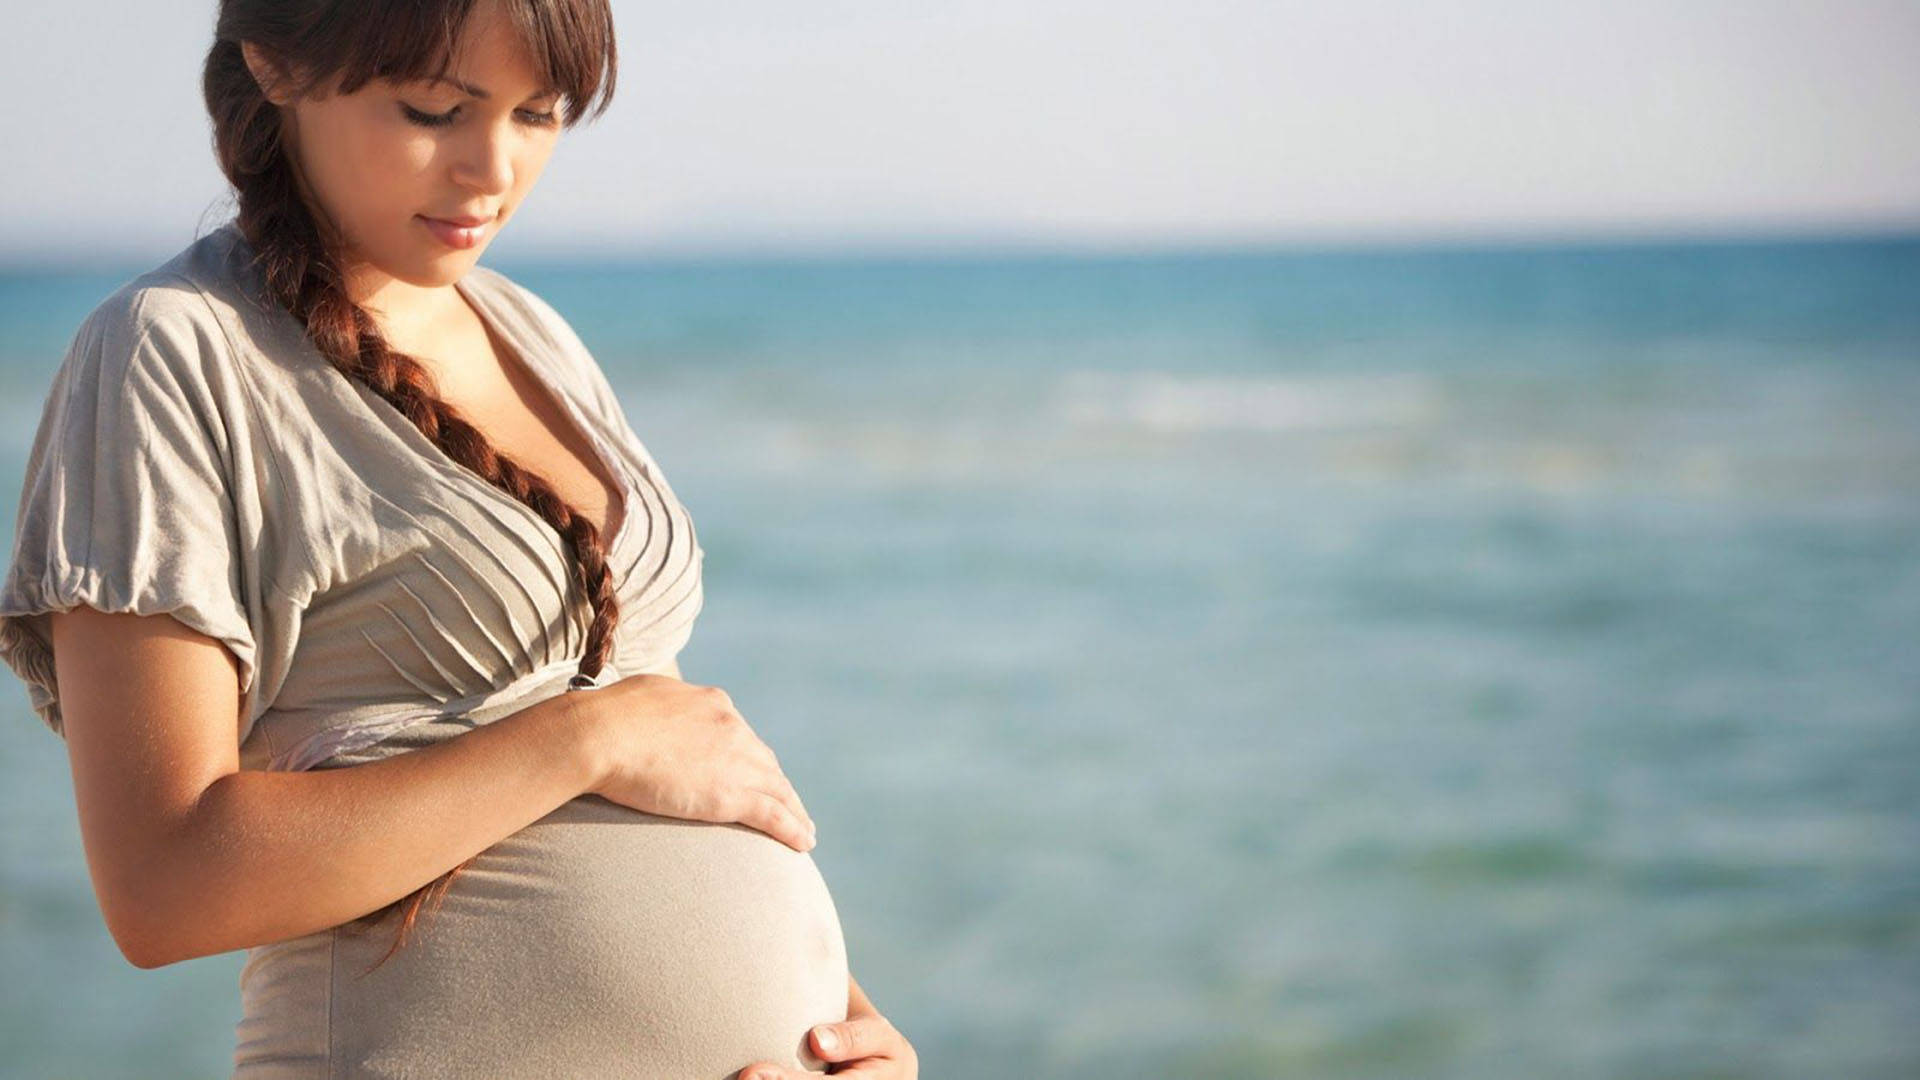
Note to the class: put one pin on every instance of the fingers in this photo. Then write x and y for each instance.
(865, 1036)
(872, 1042)
(872, 1045)
(783, 789)
(771, 815)
(790, 821)
(775, 782)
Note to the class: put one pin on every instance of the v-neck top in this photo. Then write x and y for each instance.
(602, 461)
(198, 456)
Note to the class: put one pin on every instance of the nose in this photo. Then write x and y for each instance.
(485, 163)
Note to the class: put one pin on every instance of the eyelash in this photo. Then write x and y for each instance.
(434, 120)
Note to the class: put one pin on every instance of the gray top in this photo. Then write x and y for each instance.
(196, 455)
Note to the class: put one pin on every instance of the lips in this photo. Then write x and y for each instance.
(452, 233)
(467, 221)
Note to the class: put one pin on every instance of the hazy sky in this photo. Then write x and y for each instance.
(856, 123)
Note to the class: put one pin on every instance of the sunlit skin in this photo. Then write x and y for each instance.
(864, 1044)
(372, 162)
(376, 159)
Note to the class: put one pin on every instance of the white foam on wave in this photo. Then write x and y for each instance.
(1165, 401)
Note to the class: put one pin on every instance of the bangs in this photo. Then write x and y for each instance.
(569, 42)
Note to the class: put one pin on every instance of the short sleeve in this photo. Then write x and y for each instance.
(127, 502)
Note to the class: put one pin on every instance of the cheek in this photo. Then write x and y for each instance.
(376, 176)
(383, 150)
(409, 164)
(360, 158)
(529, 166)
(389, 166)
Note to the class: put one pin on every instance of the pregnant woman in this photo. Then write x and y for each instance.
(357, 602)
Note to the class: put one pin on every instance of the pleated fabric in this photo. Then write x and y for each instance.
(196, 455)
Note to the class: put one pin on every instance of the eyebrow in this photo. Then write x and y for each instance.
(483, 95)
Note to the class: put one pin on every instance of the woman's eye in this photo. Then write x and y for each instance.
(434, 120)
(428, 119)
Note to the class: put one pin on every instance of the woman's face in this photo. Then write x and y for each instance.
(383, 160)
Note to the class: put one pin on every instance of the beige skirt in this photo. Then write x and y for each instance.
(599, 941)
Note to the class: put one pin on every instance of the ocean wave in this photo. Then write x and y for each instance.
(1164, 401)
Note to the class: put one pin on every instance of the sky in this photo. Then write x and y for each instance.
(748, 125)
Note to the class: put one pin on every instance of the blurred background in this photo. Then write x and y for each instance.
(1275, 539)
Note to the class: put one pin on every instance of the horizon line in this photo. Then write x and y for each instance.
(828, 246)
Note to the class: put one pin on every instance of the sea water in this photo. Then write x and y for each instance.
(1492, 663)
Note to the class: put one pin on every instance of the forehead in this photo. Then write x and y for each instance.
(489, 59)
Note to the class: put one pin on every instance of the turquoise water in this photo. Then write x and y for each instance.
(1423, 664)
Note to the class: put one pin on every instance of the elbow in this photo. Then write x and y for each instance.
(138, 943)
(143, 961)
(149, 952)
(139, 952)
(157, 906)
(147, 938)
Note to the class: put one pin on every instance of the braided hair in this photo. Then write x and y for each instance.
(301, 257)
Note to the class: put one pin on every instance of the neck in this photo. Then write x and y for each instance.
(405, 312)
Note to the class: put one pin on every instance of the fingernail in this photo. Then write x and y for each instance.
(827, 1039)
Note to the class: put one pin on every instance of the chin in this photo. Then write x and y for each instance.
(443, 269)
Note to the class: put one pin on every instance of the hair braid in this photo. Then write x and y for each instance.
(300, 259)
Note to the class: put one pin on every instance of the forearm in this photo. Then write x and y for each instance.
(266, 856)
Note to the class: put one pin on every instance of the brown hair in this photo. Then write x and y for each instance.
(347, 43)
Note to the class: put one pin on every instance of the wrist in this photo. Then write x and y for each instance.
(584, 735)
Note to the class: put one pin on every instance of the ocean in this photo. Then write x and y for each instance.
(1489, 662)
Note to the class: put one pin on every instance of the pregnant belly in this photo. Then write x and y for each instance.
(597, 941)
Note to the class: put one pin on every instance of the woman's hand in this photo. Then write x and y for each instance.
(678, 749)
(865, 1044)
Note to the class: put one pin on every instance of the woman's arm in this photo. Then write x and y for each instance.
(191, 856)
